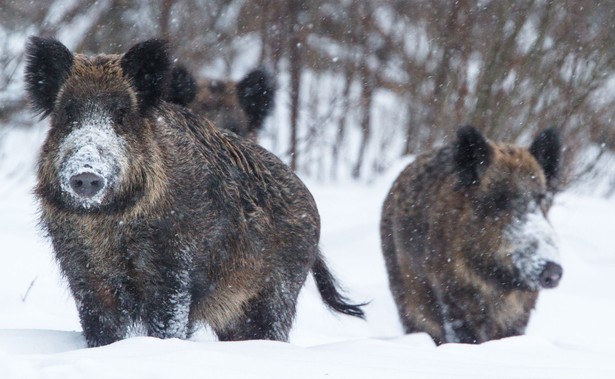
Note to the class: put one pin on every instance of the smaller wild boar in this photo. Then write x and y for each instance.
(465, 237)
(240, 107)
(158, 220)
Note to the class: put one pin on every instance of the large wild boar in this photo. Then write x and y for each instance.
(466, 240)
(160, 221)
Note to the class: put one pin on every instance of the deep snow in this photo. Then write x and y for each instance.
(571, 332)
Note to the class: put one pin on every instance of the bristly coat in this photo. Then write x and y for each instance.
(465, 237)
(160, 221)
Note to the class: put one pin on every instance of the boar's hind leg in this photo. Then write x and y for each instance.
(397, 283)
(269, 316)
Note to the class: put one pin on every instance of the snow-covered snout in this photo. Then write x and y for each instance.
(90, 160)
(534, 255)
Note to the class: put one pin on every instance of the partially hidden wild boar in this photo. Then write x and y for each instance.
(239, 106)
(159, 221)
(465, 237)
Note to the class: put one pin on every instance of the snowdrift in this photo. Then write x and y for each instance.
(571, 333)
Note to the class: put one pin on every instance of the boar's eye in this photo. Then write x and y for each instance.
(502, 201)
(540, 197)
(217, 87)
(544, 200)
(120, 110)
(68, 113)
(497, 202)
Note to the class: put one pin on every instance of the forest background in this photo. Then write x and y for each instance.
(362, 83)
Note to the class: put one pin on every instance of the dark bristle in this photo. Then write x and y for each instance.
(472, 153)
(147, 64)
(182, 88)
(547, 149)
(48, 64)
(327, 286)
(256, 93)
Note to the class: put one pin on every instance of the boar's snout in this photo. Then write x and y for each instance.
(87, 184)
(551, 275)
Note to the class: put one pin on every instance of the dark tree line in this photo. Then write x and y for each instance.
(363, 82)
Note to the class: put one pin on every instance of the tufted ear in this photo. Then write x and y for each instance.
(472, 155)
(547, 149)
(48, 64)
(147, 64)
(182, 88)
(256, 92)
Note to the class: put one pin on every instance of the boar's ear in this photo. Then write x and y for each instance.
(255, 93)
(547, 149)
(472, 155)
(48, 64)
(147, 65)
(182, 89)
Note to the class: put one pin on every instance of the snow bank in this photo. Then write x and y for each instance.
(571, 332)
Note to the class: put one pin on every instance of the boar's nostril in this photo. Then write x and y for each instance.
(86, 184)
(551, 275)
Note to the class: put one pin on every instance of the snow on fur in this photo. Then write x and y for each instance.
(535, 241)
(92, 147)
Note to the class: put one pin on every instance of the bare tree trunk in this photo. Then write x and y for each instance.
(367, 77)
(294, 60)
(411, 129)
(437, 106)
(366, 117)
(264, 8)
(165, 17)
(341, 128)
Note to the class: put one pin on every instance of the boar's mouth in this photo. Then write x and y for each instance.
(86, 187)
(550, 275)
(535, 255)
(534, 271)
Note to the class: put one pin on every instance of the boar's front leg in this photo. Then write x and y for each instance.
(101, 318)
(168, 304)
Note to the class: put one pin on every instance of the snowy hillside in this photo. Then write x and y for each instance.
(571, 333)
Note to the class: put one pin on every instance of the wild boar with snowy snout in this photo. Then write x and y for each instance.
(465, 237)
(159, 221)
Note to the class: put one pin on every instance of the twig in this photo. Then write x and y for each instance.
(25, 296)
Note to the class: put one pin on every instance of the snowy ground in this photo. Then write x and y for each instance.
(571, 333)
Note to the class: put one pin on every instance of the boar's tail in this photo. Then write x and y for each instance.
(328, 288)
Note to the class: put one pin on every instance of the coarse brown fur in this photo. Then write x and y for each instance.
(443, 233)
(193, 225)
